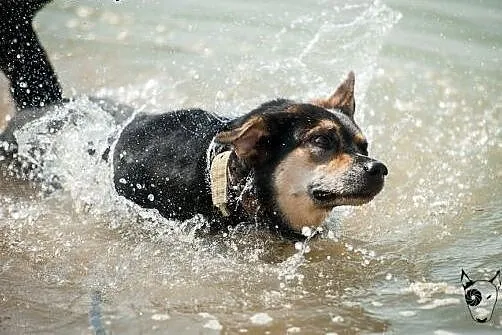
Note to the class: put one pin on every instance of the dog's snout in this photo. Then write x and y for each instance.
(375, 168)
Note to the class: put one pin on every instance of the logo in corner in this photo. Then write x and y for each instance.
(481, 296)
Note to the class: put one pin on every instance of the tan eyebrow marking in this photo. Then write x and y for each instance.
(359, 138)
(325, 125)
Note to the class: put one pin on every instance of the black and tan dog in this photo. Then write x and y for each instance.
(285, 164)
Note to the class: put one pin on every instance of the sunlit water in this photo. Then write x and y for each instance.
(83, 260)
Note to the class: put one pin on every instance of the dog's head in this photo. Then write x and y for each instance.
(481, 296)
(307, 157)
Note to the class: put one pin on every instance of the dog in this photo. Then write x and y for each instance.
(284, 165)
(481, 296)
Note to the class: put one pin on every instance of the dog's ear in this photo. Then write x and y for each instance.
(496, 280)
(343, 98)
(465, 280)
(245, 137)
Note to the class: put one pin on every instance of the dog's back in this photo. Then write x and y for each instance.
(175, 181)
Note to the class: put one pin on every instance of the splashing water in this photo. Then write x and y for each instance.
(87, 249)
(86, 126)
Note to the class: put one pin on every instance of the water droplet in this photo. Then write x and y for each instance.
(407, 313)
(160, 317)
(306, 231)
(213, 324)
(337, 319)
(261, 319)
(291, 330)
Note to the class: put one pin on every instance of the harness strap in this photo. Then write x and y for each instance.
(219, 181)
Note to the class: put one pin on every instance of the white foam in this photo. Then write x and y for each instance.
(426, 290)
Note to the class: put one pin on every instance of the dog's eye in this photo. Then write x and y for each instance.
(323, 141)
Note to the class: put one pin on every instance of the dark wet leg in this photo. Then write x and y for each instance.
(22, 57)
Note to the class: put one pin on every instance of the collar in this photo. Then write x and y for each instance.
(218, 176)
(229, 188)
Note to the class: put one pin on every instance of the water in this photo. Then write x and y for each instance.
(83, 260)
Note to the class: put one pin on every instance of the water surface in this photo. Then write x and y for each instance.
(83, 260)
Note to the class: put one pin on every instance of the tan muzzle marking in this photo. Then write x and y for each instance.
(219, 181)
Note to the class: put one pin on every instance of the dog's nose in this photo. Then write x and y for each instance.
(374, 168)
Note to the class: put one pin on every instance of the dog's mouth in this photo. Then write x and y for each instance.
(329, 199)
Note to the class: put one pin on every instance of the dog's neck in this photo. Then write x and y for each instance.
(243, 201)
(242, 187)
